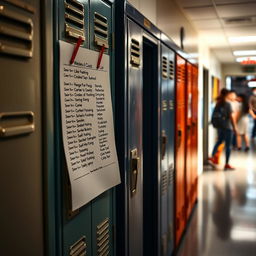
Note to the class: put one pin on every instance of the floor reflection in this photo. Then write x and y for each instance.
(224, 221)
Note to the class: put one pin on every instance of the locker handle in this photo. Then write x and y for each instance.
(179, 137)
(14, 130)
(135, 160)
(164, 143)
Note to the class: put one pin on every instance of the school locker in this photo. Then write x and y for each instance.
(170, 150)
(195, 132)
(90, 228)
(180, 212)
(165, 136)
(189, 144)
(21, 133)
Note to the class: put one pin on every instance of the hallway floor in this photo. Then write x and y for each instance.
(224, 221)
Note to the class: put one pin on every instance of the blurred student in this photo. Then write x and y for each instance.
(232, 99)
(223, 119)
(243, 122)
(253, 107)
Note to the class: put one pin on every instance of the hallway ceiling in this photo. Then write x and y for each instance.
(218, 20)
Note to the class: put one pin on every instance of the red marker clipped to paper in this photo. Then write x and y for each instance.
(100, 55)
(76, 50)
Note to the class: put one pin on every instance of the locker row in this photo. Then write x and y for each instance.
(155, 104)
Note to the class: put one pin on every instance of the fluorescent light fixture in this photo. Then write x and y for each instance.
(242, 39)
(252, 84)
(244, 53)
(240, 59)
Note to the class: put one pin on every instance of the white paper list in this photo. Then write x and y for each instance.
(87, 124)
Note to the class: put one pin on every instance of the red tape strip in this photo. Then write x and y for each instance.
(79, 41)
(100, 55)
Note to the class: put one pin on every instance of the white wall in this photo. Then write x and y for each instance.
(207, 60)
(146, 7)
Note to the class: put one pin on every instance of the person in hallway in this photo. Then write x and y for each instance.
(253, 107)
(223, 119)
(243, 122)
(232, 98)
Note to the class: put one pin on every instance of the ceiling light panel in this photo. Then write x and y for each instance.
(242, 39)
(244, 53)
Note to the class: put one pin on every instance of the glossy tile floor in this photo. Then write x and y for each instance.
(224, 220)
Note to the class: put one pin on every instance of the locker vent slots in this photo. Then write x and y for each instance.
(100, 30)
(164, 182)
(135, 53)
(74, 19)
(171, 71)
(164, 67)
(103, 238)
(78, 248)
(16, 33)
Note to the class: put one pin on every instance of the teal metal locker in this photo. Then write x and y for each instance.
(88, 229)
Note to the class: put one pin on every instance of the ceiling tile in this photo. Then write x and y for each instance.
(189, 3)
(238, 31)
(207, 24)
(236, 10)
(232, 1)
(214, 38)
(200, 13)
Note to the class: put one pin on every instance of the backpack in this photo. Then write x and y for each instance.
(220, 118)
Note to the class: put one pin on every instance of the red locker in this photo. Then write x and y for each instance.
(189, 142)
(195, 133)
(180, 212)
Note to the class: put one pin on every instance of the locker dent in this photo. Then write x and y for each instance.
(135, 163)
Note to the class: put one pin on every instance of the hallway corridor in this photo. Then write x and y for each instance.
(224, 221)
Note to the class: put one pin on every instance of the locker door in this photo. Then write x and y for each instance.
(21, 196)
(165, 136)
(170, 150)
(180, 215)
(189, 134)
(101, 16)
(75, 227)
(195, 131)
(135, 156)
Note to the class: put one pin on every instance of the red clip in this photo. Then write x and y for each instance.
(100, 56)
(76, 50)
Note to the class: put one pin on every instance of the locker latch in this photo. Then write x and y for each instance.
(135, 161)
(164, 142)
(179, 138)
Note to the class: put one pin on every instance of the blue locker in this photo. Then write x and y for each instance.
(165, 136)
(101, 31)
(88, 229)
(170, 150)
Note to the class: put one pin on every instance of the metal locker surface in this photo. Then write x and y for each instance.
(101, 29)
(134, 83)
(165, 136)
(180, 213)
(195, 132)
(189, 135)
(74, 227)
(170, 150)
(21, 183)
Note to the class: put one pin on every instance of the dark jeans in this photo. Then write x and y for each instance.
(254, 129)
(224, 135)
